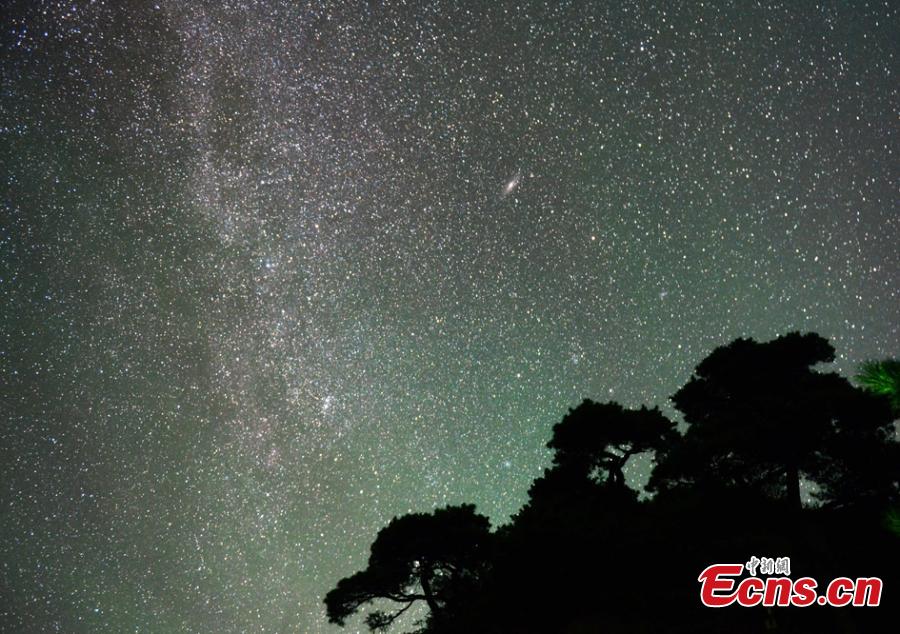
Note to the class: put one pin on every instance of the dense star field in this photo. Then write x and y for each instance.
(275, 272)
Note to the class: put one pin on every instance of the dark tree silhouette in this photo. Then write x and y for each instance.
(434, 558)
(760, 416)
(602, 437)
(586, 554)
(858, 464)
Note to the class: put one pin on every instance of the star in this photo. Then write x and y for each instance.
(256, 291)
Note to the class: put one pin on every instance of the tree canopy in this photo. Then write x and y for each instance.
(433, 558)
(604, 436)
(586, 554)
(882, 377)
(761, 416)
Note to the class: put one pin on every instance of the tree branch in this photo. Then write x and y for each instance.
(382, 621)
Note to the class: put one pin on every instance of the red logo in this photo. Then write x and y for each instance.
(720, 587)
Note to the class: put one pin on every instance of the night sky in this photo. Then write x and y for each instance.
(272, 273)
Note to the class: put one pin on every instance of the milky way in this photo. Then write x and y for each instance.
(275, 272)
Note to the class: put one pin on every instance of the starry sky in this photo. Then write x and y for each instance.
(273, 272)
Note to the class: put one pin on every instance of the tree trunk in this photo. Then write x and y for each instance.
(429, 594)
(616, 476)
(793, 488)
(615, 465)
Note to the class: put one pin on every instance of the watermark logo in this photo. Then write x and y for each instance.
(722, 586)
